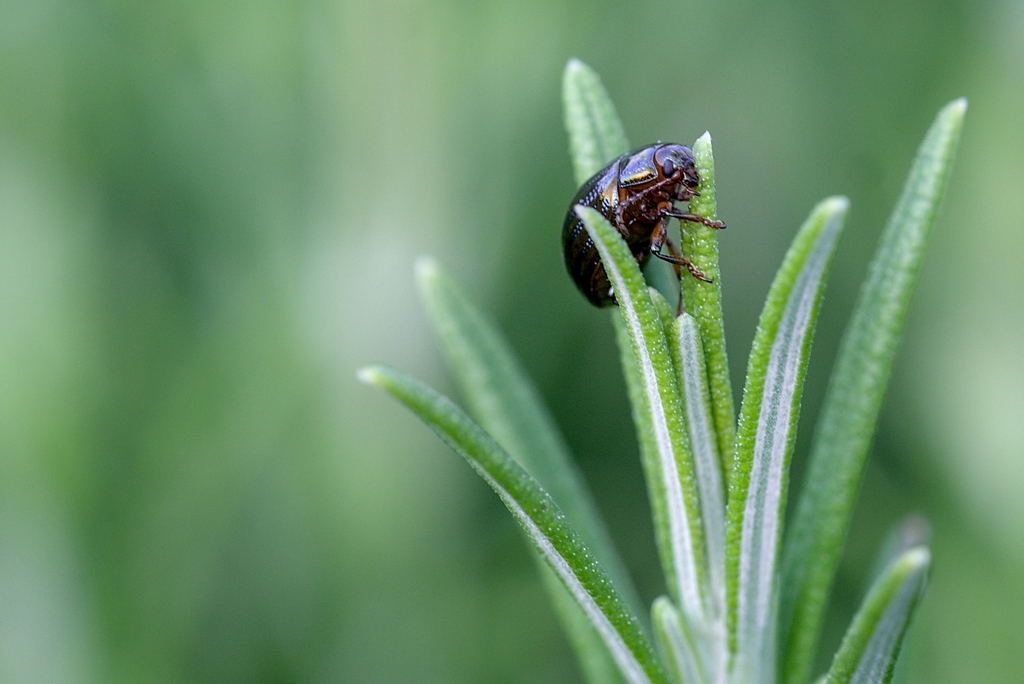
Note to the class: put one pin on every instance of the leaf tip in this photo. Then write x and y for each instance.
(830, 212)
(371, 375)
(837, 204)
(661, 604)
(917, 559)
(702, 149)
(426, 269)
(957, 107)
(950, 119)
(576, 75)
(705, 160)
(574, 65)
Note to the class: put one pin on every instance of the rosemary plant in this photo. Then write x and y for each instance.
(744, 601)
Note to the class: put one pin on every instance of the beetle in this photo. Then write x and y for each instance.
(636, 193)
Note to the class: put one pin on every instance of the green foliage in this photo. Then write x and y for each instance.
(596, 134)
(872, 644)
(731, 603)
(704, 300)
(503, 400)
(539, 515)
(662, 409)
(767, 431)
(856, 390)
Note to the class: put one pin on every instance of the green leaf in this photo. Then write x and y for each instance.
(595, 659)
(649, 456)
(677, 514)
(704, 301)
(707, 464)
(668, 319)
(596, 135)
(872, 644)
(535, 510)
(503, 400)
(675, 642)
(688, 358)
(854, 399)
(500, 396)
(767, 430)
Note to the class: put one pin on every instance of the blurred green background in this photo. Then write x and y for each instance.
(209, 213)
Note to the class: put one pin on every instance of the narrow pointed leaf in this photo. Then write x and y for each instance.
(596, 135)
(704, 301)
(707, 465)
(705, 638)
(872, 644)
(854, 399)
(703, 647)
(504, 401)
(500, 396)
(704, 445)
(662, 406)
(596, 660)
(535, 510)
(676, 644)
(649, 455)
(767, 430)
(665, 313)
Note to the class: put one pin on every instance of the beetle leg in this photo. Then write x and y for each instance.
(679, 260)
(672, 249)
(659, 237)
(695, 218)
(620, 225)
(676, 252)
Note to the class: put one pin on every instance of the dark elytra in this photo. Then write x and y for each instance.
(636, 194)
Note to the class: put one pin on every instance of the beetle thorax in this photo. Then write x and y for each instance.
(645, 205)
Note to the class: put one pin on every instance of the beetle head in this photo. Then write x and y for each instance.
(677, 160)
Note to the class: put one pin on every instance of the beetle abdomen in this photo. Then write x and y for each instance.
(582, 259)
(584, 263)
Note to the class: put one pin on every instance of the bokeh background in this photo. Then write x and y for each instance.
(209, 214)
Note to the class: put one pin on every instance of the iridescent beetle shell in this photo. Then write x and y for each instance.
(636, 194)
